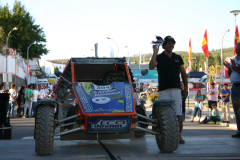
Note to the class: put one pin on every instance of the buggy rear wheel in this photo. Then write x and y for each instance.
(44, 130)
(168, 127)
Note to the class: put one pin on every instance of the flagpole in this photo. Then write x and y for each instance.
(189, 69)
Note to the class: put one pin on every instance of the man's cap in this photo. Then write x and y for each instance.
(167, 39)
(44, 86)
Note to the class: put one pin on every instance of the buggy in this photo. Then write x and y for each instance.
(94, 100)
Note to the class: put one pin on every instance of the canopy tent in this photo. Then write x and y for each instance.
(196, 74)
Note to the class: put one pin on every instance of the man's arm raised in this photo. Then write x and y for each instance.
(153, 63)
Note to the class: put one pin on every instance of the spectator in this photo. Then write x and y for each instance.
(225, 94)
(41, 92)
(50, 87)
(198, 98)
(234, 73)
(28, 102)
(2, 86)
(212, 95)
(215, 115)
(12, 99)
(181, 141)
(237, 106)
(25, 88)
(36, 96)
(20, 101)
(46, 91)
(169, 65)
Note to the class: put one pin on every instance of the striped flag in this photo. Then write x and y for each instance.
(204, 44)
(190, 51)
(236, 40)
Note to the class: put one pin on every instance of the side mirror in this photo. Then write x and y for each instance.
(58, 73)
(144, 72)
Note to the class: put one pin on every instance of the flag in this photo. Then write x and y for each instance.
(236, 40)
(204, 44)
(190, 51)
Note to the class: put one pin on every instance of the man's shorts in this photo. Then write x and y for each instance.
(175, 94)
(183, 117)
(211, 102)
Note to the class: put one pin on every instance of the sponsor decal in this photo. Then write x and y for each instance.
(176, 60)
(108, 87)
(83, 98)
(101, 100)
(128, 95)
(109, 124)
(103, 93)
(81, 84)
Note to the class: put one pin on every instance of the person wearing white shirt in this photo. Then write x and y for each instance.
(50, 87)
(45, 90)
(36, 96)
(41, 92)
(12, 99)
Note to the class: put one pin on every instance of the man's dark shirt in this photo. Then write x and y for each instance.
(168, 71)
(19, 96)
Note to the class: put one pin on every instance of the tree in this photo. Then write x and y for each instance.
(27, 32)
(218, 59)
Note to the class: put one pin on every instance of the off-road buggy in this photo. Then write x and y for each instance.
(94, 100)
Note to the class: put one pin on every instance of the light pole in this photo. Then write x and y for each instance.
(222, 58)
(235, 12)
(6, 47)
(116, 44)
(27, 60)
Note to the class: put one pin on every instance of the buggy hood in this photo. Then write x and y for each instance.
(114, 98)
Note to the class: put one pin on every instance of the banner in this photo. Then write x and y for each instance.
(204, 44)
(152, 74)
(11, 51)
(25, 68)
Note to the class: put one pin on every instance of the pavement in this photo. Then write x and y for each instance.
(214, 144)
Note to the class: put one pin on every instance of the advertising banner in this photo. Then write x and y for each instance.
(195, 86)
(152, 74)
(11, 51)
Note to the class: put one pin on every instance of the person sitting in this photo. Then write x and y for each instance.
(198, 98)
(215, 115)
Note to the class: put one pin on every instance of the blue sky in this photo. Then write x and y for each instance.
(73, 27)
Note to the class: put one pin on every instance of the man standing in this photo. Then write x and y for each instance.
(12, 99)
(46, 91)
(168, 66)
(50, 87)
(28, 101)
(183, 113)
(225, 94)
(41, 92)
(233, 72)
(36, 96)
(212, 96)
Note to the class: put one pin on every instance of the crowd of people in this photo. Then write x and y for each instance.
(26, 99)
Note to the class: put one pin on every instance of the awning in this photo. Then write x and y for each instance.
(196, 74)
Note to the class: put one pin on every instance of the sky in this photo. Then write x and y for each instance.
(73, 27)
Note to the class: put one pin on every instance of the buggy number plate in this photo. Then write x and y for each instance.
(99, 125)
(109, 124)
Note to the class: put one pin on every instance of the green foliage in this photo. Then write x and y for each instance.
(27, 32)
(212, 73)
